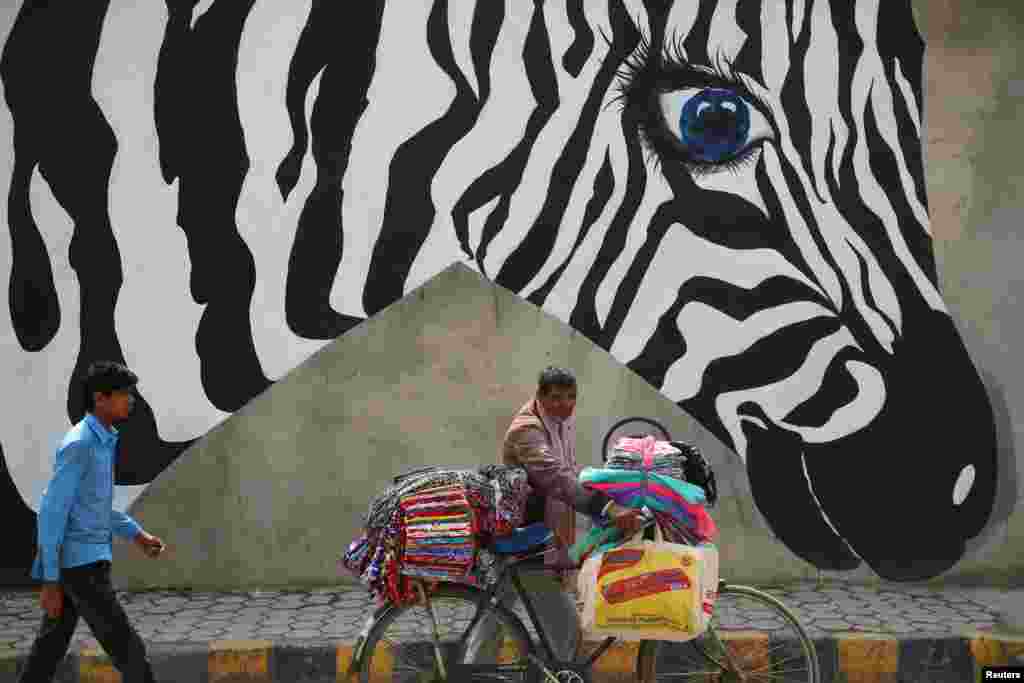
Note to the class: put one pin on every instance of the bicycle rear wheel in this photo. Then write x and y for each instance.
(400, 645)
(752, 637)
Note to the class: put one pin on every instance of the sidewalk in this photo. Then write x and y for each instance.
(890, 634)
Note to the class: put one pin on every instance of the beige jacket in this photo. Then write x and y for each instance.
(546, 448)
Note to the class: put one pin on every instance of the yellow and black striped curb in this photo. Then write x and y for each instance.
(843, 658)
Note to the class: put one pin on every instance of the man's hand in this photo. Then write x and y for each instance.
(51, 598)
(627, 520)
(151, 545)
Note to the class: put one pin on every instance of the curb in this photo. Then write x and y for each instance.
(843, 658)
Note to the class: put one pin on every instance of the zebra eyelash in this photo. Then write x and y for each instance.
(642, 78)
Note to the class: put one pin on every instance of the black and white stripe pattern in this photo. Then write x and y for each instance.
(786, 298)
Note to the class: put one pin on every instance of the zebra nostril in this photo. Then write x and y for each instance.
(963, 484)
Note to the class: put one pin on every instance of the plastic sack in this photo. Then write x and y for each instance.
(649, 590)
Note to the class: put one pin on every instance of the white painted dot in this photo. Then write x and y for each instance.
(963, 484)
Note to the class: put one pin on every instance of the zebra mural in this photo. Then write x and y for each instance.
(728, 195)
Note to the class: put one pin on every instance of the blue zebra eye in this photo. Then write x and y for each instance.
(715, 125)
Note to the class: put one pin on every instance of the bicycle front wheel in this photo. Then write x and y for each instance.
(752, 637)
(400, 647)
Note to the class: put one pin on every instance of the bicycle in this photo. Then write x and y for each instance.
(740, 643)
(720, 654)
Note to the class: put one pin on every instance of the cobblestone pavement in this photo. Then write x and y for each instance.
(338, 613)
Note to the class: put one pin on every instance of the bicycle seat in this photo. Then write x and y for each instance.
(522, 540)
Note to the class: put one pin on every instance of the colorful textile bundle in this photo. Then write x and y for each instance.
(499, 490)
(679, 499)
(387, 555)
(439, 534)
(644, 472)
(503, 503)
(648, 454)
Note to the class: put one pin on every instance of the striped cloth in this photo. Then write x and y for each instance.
(439, 534)
(439, 502)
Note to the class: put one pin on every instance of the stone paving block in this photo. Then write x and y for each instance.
(304, 663)
(240, 661)
(320, 598)
(223, 608)
(277, 630)
(992, 650)
(181, 662)
(867, 658)
(832, 624)
(305, 633)
(307, 627)
(162, 609)
(206, 636)
(95, 666)
(618, 664)
(277, 618)
(317, 609)
(249, 618)
(191, 612)
(175, 629)
(935, 660)
(239, 634)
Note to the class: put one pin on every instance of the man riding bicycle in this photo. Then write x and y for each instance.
(541, 439)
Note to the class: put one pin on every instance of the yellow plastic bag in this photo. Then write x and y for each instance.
(649, 590)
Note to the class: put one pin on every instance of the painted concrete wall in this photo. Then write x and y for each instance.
(975, 97)
(272, 495)
(210, 252)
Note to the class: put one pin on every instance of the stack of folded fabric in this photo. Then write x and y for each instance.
(647, 473)
(493, 496)
(440, 534)
(647, 454)
(678, 499)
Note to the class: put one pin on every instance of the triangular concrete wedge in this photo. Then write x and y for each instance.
(273, 495)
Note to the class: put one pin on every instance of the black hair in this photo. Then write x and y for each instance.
(555, 377)
(106, 377)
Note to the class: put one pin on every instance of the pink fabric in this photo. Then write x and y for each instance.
(646, 446)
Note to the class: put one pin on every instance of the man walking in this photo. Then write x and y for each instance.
(76, 524)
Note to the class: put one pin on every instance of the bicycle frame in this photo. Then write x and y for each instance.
(487, 602)
(489, 599)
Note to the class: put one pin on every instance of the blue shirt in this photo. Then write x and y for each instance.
(76, 515)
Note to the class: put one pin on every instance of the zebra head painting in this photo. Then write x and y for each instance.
(727, 195)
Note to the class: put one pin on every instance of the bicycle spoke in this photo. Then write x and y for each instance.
(689, 674)
(778, 663)
(402, 645)
(779, 646)
(774, 677)
(751, 634)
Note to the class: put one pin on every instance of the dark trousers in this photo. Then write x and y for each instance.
(89, 594)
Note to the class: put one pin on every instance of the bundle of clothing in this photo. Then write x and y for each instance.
(645, 472)
(440, 534)
(647, 454)
(434, 524)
